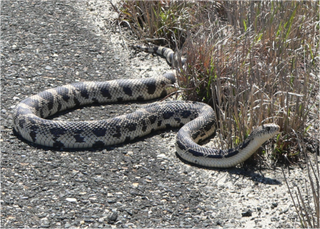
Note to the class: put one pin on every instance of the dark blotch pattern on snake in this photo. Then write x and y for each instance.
(197, 119)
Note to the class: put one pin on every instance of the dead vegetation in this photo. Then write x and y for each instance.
(254, 62)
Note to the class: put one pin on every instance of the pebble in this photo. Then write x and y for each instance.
(247, 213)
(112, 217)
(71, 199)
(162, 156)
(44, 223)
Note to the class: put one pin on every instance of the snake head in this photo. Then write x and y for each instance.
(265, 132)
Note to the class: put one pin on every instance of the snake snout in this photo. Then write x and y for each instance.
(271, 128)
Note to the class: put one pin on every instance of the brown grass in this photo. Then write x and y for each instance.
(307, 200)
(163, 22)
(258, 71)
(254, 62)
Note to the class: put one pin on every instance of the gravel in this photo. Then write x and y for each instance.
(141, 184)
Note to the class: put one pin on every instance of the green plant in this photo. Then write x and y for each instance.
(165, 22)
(159, 22)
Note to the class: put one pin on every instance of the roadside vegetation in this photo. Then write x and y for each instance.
(254, 62)
(306, 200)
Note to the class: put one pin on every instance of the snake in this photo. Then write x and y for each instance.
(196, 120)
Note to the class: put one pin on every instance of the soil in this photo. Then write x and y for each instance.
(139, 184)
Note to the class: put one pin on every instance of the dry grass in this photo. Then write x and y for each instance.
(261, 68)
(166, 23)
(307, 201)
(255, 62)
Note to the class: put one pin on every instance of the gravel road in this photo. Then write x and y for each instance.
(47, 43)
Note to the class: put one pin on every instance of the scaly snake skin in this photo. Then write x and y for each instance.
(197, 120)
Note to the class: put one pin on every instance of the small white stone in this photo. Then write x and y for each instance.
(71, 199)
(161, 156)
